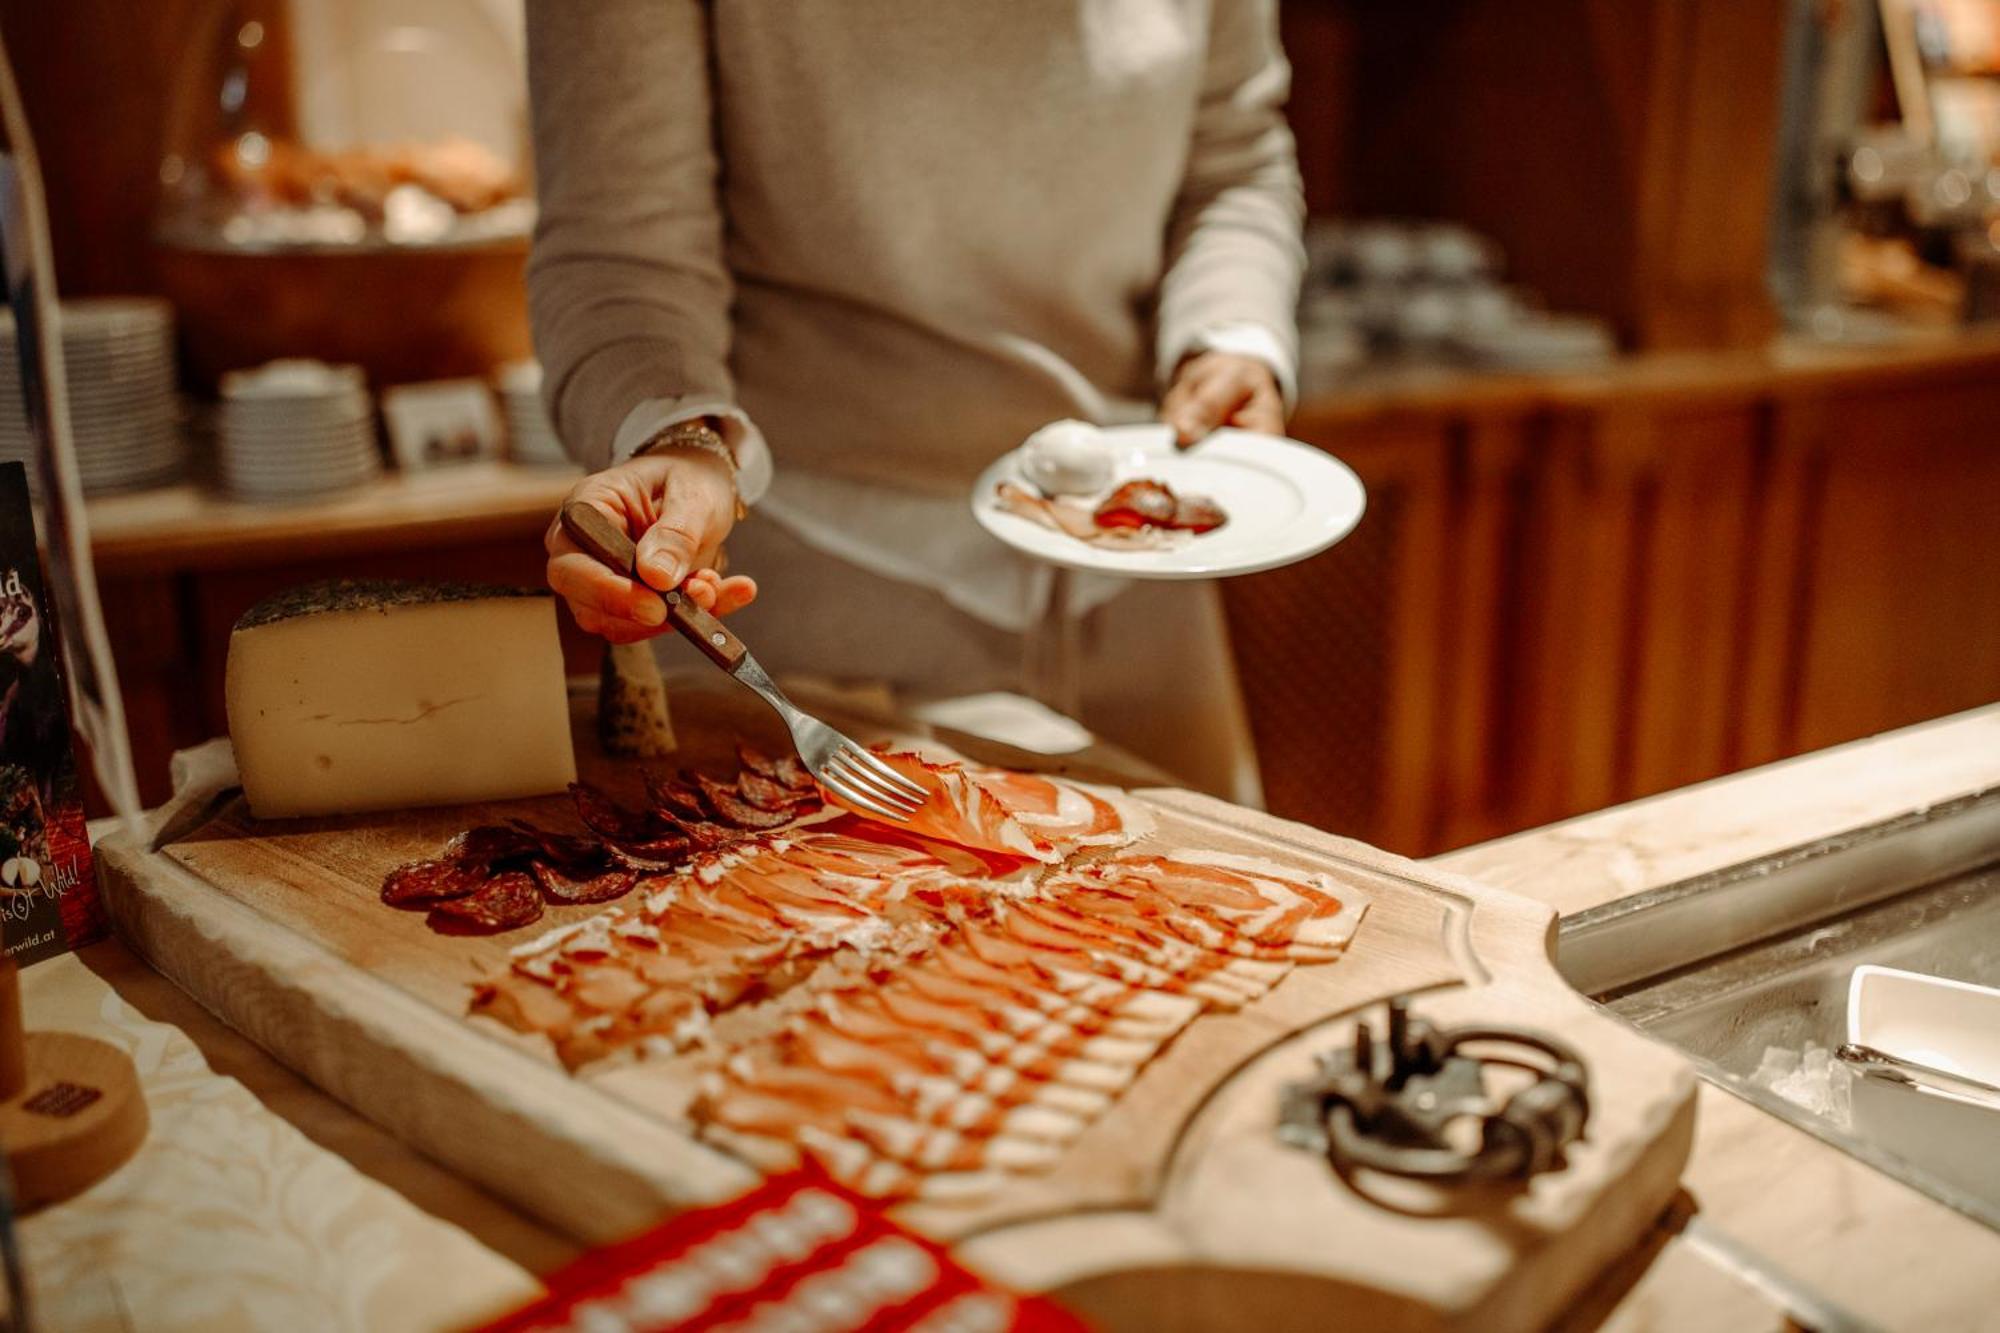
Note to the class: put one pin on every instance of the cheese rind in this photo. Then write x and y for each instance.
(348, 697)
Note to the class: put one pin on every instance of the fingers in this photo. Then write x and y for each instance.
(1263, 412)
(701, 588)
(681, 509)
(1197, 405)
(695, 513)
(611, 630)
(588, 585)
(669, 551)
(1214, 388)
(735, 593)
(717, 595)
(584, 583)
(1203, 399)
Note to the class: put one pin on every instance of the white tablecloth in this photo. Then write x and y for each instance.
(229, 1218)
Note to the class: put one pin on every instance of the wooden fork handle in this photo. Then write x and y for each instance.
(601, 539)
(606, 542)
(704, 631)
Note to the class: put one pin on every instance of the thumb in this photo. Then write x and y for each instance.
(669, 550)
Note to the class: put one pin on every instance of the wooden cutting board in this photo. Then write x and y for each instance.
(1177, 1209)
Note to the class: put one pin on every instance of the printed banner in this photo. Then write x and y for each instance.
(48, 887)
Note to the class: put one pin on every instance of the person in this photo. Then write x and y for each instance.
(875, 245)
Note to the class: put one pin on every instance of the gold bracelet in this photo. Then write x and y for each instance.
(704, 435)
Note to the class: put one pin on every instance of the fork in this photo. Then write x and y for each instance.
(836, 761)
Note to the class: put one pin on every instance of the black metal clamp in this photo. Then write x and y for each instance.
(1408, 1105)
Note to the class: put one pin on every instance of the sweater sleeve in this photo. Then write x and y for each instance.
(627, 287)
(1233, 253)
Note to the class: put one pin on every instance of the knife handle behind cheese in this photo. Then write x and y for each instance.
(609, 544)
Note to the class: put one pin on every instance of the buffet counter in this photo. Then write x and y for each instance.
(1778, 1205)
(1764, 1206)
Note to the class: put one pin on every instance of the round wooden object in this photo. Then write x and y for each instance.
(77, 1119)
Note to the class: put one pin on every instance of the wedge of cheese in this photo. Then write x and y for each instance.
(350, 696)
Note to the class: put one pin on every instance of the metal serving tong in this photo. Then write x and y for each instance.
(839, 763)
(1871, 1063)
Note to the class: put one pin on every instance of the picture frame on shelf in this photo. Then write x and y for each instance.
(441, 423)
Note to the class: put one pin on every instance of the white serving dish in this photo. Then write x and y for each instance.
(1951, 1026)
(1285, 500)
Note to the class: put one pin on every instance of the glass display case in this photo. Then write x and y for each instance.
(349, 180)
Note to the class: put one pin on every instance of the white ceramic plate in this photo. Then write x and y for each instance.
(1285, 501)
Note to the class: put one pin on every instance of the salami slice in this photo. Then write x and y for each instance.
(422, 883)
(600, 887)
(678, 799)
(612, 821)
(786, 770)
(763, 792)
(733, 810)
(507, 901)
(660, 854)
(1138, 504)
(489, 845)
(567, 851)
(1198, 513)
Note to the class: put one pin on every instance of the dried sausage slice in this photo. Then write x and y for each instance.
(767, 793)
(568, 851)
(732, 809)
(1139, 504)
(422, 883)
(599, 887)
(677, 799)
(786, 770)
(612, 821)
(1198, 513)
(489, 845)
(507, 901)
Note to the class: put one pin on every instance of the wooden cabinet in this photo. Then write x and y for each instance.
(1621, 151)
(1571, 593)
(1898, 563)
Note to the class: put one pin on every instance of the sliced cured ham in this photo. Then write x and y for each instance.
(958, 810)
(986, 1054)
(1076, 518)
(1309, 917)
(923, 1009)
(1063, 813)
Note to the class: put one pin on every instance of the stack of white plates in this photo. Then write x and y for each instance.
(294, 430)
(118, 357)
(531, 439)
(1552, 343)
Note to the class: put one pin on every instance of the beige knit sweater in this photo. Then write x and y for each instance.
(901, 234)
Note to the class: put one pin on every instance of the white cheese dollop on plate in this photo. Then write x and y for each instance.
(1068, 458)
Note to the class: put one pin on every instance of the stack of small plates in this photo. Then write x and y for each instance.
(531, 439)
(1539, 342)
(118, 358)
(294, 430)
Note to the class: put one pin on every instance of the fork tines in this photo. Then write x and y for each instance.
(862, 779)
